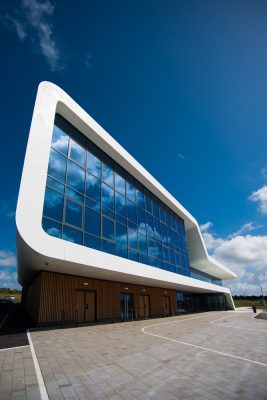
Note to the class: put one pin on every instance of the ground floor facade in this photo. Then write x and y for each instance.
(54, 297)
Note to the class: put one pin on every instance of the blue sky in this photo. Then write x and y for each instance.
(181, 85)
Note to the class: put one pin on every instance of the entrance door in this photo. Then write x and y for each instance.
(144, 306)
(85, 306)
(166, 307)
(126, 300)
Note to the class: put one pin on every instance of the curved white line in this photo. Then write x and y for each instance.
(236, 327)
(143, 330)
(42, 388)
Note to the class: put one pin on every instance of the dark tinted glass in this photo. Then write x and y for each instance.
(107, 228)
(60, 140)
(57, 165)
(73, 213)
(92, 221)
(92, 241)
(53, 204)
(108, 175)
(109, 204)
(93, 164)
(52, 228)
(55, 184)
(107, 196)
(77, 153)
(121, 234)
(108, 247)
(75, 177)
(93, 189)
(72, 235)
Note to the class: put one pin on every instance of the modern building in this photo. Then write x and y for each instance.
(98, 238)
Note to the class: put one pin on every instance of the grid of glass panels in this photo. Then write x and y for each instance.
(92, 201)
(195, 273)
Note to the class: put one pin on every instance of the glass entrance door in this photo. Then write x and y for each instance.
(126, 300)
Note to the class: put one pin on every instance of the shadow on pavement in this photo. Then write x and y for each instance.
(14, 323)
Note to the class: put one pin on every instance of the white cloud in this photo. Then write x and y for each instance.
(181, 156)
(8, 279)
(248, 227)
(7, 259)
(14, 23)
(245, 255)
(260, 196)
(37, 13)
(205, 227)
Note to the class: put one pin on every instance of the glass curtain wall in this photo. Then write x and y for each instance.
(92, 201)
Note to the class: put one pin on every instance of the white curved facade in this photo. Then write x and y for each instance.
(38, 251)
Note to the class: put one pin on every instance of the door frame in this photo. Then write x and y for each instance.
(84, 291)
(169, 301)
(149, 309)
(132, 297)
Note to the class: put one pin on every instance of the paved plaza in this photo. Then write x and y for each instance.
(209, 356)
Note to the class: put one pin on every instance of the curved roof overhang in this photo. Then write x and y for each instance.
(51, 100)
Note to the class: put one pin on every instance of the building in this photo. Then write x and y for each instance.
(98, 238)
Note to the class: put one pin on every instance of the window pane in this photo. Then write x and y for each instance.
(92, 221)
(75, 177)
(52, 228)
(131, 211)
(107, 228)
(93, 164)
(77, 152)
(108, 175)
(151, 248)
(133, 255)
(107, 196)
(159, 251)
(120, 202)
(148, 203)
(74, 195)
(108, 247)
(121, 251)
(60, 140)
(92, 204)
(108, 212)
(132, 239)
(72, 235)
(93, 187)
(57, 165)
(73, 214)
(55, 184)
(92, 241)
(130, 191)
(143, 258)
(119, 184)
(142, 244)
(165, 254)
(162, 213)
(121, 234)
(140, 199)
(53, 204)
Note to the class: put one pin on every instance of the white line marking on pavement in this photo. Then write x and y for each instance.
(14, 348)
(236, 327)
(143, 330)
(42, 388)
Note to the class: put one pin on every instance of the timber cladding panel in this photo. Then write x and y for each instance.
(59, 294)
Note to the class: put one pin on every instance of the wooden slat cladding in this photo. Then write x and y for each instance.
(57, 297)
